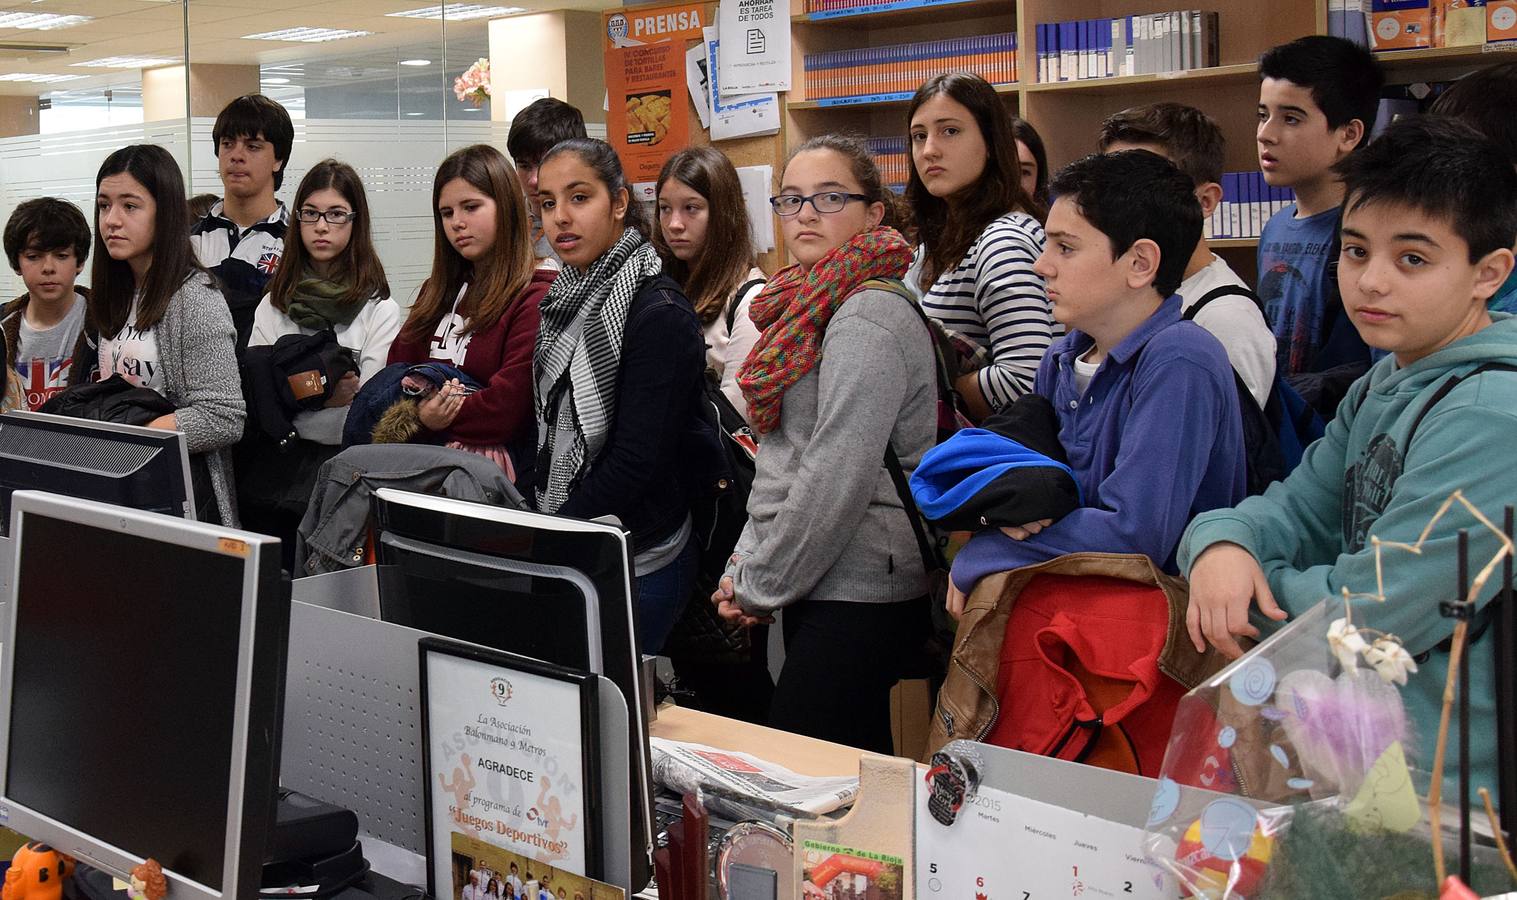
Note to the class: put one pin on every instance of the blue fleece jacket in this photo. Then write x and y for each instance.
(1155, 439)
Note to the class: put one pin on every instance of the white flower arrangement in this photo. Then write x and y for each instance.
(1383, 652)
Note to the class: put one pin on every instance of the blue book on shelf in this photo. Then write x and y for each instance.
(1229, 204)
(1041, 36)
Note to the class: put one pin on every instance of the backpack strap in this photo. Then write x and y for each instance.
(1216, 293)
(1446, 387)
(737, 299)
(932, 557)
(946, 390)
(1486, 614)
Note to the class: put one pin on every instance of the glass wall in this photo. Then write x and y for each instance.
(369, 82)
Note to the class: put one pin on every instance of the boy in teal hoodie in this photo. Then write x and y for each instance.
(1430, 217)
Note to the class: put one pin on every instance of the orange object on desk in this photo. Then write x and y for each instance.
(36, 873)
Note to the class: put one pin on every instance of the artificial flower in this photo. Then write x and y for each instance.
(1347, 643)
(474, 84)
(1390, 660)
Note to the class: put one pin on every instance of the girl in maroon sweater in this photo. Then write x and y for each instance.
(478, 310)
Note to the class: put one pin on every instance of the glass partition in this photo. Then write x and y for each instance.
(370, 82)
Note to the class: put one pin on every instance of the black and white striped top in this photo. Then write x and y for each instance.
(993, 298)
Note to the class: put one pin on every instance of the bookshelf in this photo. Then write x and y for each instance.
(1068, 114)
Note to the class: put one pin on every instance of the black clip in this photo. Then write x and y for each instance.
(950, 781)
(1463, 610)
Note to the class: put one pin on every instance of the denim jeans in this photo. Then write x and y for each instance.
(662, 595)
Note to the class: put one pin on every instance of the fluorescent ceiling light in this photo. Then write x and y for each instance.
(275, 81)
(125, 62)
(35, 78)
(40, 21)
(416, 62)
(457, 12)
(306, 35)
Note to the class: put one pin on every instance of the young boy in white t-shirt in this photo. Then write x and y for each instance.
(1187, 137)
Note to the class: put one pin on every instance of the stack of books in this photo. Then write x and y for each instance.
(871, 74)
(831, 9)
(892, 156)
(1130, 45)
(1247, 203)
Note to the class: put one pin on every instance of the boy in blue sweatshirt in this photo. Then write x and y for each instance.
(1147, 405)
(1317, 102)
(1429, 221)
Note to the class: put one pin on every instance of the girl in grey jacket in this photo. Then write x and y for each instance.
(158, 320)
(842, 369)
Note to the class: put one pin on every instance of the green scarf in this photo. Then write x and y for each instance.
(318, 303)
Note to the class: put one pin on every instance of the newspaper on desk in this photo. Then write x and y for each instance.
(683, 767)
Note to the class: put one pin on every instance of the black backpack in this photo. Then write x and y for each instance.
(1274, 437)
(717, 519)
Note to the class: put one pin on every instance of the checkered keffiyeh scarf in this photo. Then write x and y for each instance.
(576, 358)
(793, 311)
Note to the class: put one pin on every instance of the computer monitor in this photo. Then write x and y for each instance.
(141, 680)
(546, 587)
(141, 468)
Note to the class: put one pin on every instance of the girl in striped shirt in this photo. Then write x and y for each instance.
(979, 236)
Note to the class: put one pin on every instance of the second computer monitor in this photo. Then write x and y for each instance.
(548, 587)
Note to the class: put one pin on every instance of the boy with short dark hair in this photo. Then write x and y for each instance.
(1187, 137)
(47, 241)
(1147, 406)
(534, 132)
(1429, 222)
(1486, 99)
(1317, 102)
(241, 239)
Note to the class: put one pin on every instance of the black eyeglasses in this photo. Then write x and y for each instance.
(333, 216)
(826, 202)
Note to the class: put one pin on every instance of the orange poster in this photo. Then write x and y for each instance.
(648, 119)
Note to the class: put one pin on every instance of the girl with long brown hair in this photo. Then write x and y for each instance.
(478, 309)
(331, 279)
(980, 233)
(156, 319)
(706, 244)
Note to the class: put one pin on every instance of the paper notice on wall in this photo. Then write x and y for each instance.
(757, 33)
(744, 115)
(757, 182)
(698, 82)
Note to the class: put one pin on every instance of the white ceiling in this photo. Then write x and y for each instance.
(216, 27)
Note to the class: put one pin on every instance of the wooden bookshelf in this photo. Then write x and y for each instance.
(891, 100)
(907, 12)
(1068, 114)
(1185, 79)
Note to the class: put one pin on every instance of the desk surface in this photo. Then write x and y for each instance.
(805, 755)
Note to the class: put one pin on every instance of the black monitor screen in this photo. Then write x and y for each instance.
(471, 597)
(141, 468)
(87, 746)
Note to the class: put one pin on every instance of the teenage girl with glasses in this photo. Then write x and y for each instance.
(844, 369)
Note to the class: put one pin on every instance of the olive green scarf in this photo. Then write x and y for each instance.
(318, 303)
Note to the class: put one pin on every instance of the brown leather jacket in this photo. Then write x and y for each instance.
(968, 704)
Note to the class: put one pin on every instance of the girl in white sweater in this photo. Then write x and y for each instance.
(331, 278)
